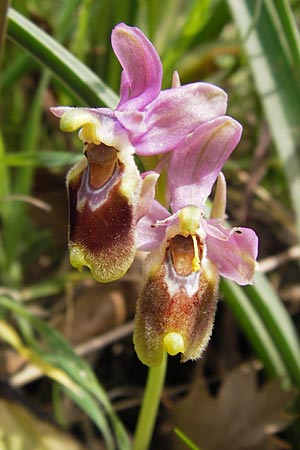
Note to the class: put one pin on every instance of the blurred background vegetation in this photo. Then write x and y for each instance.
(68, 368)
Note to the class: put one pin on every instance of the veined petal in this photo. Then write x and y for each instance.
(60, 111)
(147, 194)
(218, 208)
(175, 113)
(95, 125)
(142, 69)
(196, 163)
(176, 306)
(149, 235)
(234, 252)
(103, 197)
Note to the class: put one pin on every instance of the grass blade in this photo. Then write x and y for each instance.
(278, 323)
(57, 353)
(289, 28)
(42, 159)
(77, 77)
(255, 329)
(187, 441)
(196, 18)
(3, 10)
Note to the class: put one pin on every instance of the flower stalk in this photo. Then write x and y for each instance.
(150, 404)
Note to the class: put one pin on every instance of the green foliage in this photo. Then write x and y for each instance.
(79, 380)
(271, 40)
(189, 444)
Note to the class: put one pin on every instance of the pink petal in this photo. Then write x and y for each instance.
(142, 70)
(196, 163)
(149, 236)
(147, 194)
(59, 111)
(175, 113)
(234, 255)
(106, 126)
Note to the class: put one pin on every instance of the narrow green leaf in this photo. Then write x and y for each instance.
(255, 330)
(278, 323)
(4, 176)
(24, 176)
(17, 68)
(57, 352)
(77, 77)
(4, 4)
(80, 43)
(41, 159)
(277, 84)
(22, 185)
(196, 17)
(63, 24)
(289, 30)
(113, 69)
(86, 402)
(187, 441)
(4, 191)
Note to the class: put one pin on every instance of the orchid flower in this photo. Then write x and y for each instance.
(104, 187)
(188, 252)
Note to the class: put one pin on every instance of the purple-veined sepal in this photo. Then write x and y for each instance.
(198, 160)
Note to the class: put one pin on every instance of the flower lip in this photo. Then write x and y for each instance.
(102, 162)
(100, 154)
(97, 192)
(146, 122)
(186, 254)
(173, 343)
(192, 169)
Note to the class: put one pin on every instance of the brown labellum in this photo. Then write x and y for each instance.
(102, 218)
(175, 299)
(102, 162)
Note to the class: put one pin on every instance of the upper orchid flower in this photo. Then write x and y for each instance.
(176, 308)
(104, 188)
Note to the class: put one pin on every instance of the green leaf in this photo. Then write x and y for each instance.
(77, 77)
(288, 28)
(24, 177)
(41, 159)
(195, 20)
(267, 325)
(17, 68)
(255, 330)
(185, 439)
(278, 323)
(58, 353)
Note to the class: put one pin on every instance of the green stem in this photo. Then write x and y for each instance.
(149, 408)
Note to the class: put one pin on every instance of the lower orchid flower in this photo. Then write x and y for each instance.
(177, 303)
(104, 187)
